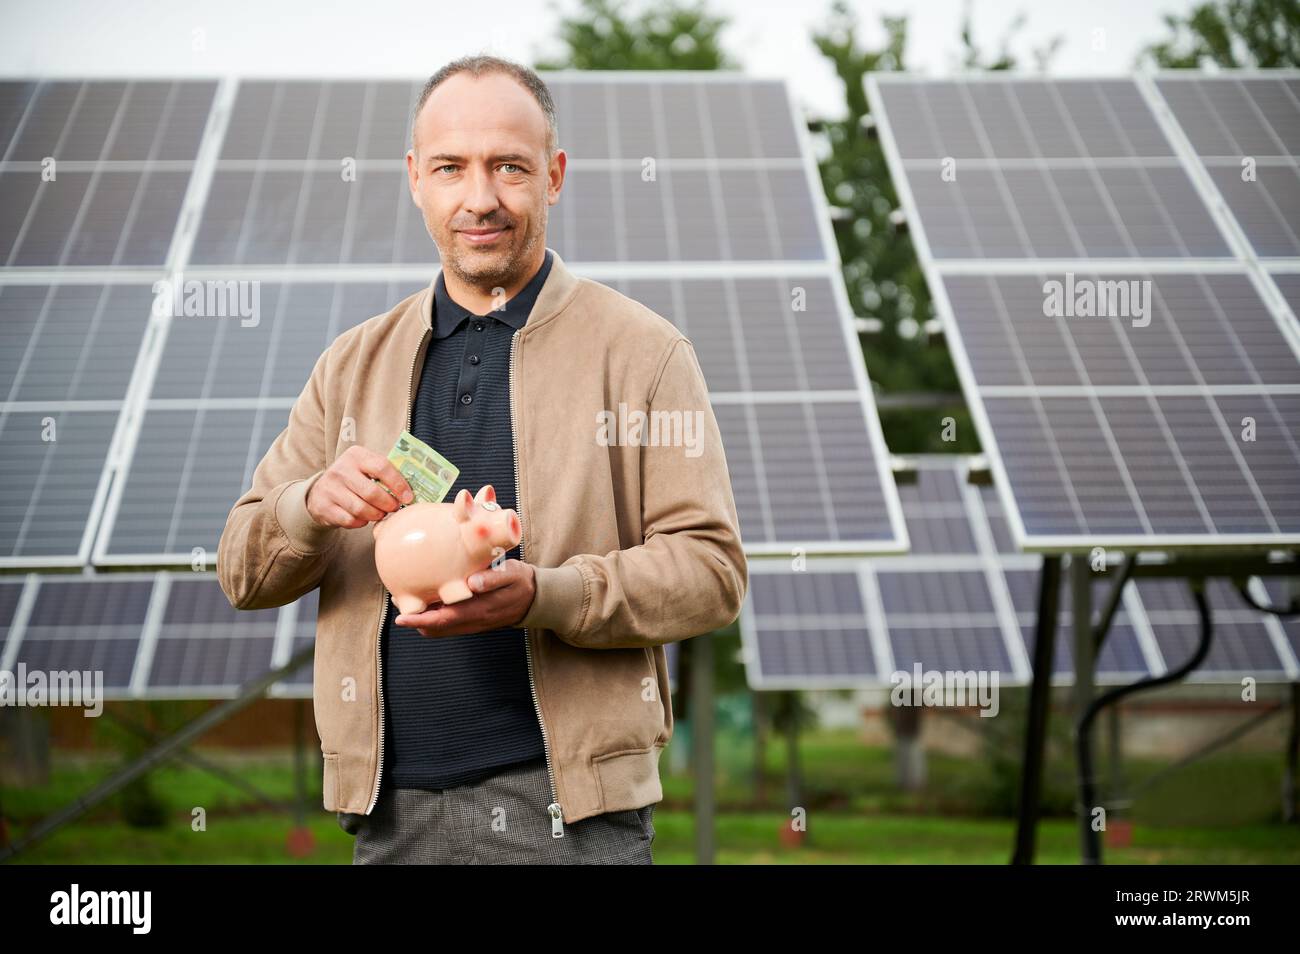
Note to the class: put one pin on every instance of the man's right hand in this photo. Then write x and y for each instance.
(345, 496)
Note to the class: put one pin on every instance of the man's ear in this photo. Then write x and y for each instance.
(555, 176)
(413, 177)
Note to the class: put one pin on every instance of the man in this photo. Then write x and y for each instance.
(525, 723)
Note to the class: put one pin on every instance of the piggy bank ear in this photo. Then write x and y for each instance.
(464, 506)
(486, 493)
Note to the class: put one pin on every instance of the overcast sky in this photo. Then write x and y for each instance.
(394, 38)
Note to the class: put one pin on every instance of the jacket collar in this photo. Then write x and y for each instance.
(556, 293)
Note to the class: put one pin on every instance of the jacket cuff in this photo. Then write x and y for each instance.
(304, 533)
(560, 602)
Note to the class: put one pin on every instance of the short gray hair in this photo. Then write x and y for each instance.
(478, 65)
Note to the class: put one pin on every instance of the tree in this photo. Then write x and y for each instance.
(973, 59)
(671, 36)
(880, 267)
(1235, 33)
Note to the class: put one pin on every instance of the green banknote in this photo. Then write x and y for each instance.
(428, 472)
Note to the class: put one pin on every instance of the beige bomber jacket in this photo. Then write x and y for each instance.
(636, 544)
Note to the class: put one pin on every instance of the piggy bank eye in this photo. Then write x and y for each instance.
(490, 505)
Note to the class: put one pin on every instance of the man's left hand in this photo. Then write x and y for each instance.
(502, 597)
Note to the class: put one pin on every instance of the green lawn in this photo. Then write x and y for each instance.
(1223, 810)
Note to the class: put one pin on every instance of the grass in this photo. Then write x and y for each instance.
(1223, 810)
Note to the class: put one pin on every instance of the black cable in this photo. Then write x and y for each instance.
(1243, 587)
(1083, 751)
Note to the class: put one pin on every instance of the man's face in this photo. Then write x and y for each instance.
(479, 175)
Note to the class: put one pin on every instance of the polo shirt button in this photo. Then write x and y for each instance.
(473, 359)
(478, 326)
(466, 398)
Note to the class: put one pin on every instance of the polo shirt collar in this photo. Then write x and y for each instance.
(448, 314)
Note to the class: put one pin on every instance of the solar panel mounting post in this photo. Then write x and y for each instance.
(1084, 665)
(1040, 694)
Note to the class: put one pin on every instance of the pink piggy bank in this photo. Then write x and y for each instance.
(426, 552)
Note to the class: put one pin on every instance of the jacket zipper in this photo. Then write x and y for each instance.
(553, 809)
(383, 607)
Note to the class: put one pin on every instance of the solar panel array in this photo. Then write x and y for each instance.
(966, 600)
(159, 635)
(138, 430)
(1164, 410)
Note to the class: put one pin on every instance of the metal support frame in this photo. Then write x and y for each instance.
(1289, 808)
(164, 750)
(701, 713)
(1194, 568)
(198, 762)
(1236, 732)
(1040, 691)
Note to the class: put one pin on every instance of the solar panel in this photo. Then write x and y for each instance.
(1245, 642)
(1132, 373)
(65, 364)
(1123, 657)
(80, 625)
(853, 623)
(152, 635)
(1091, 118)
(95, 173)
(177, 493)
(207, 646)
(291, 217)
(52, 462)
(117, 121)
(70, 342)
(11, 592)
(1245, 130)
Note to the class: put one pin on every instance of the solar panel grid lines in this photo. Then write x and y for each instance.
(17, 596)
(1186, 116)
(1090, 422)
(1244, 131)
(124, 152)
(111, 129)
(154, 635)
(157, 635)
(846, 622)
(814, 628)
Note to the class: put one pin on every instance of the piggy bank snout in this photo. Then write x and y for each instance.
(502, 528)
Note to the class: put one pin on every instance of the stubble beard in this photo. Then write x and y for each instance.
(485, 274)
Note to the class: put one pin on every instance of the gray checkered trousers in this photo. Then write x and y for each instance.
(501, 819)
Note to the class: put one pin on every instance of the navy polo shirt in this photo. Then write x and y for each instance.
(459, 708)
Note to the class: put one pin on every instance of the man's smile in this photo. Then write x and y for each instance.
(483, 236)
